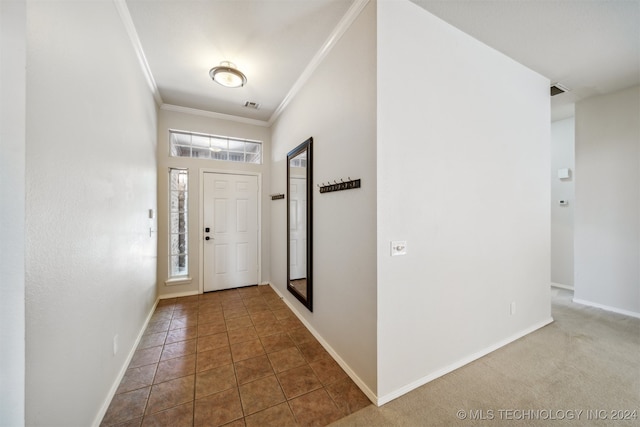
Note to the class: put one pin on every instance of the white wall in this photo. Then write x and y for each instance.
(607, 216)
(562, 157)
(91, 177)
(169, 119)
(336, 107)
(463, 177)
(12, 210)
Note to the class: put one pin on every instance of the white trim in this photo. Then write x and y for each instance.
(175, 281)
(561, 286)
(179, 294)
(189, 132)
(212, 115)
(460, 363)
(201, 223)
(356, 379)
(125, 16)
(336, 34)
(114, 387)
(608, 308)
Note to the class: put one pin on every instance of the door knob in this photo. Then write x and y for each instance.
(207, 238)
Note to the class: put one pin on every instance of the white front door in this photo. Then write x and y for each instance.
(230, 221)
(298, 228)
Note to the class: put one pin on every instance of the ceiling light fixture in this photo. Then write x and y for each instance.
(228, 75)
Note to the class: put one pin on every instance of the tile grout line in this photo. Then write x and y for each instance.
(157, 364)
(195, 369)
(242, 298)
(235, 374)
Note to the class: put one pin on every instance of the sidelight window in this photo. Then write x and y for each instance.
(178, 222)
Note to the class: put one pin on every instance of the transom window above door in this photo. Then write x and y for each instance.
(213, 147)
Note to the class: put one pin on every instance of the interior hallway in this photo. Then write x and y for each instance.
(237, 357)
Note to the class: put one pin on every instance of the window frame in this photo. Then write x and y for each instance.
(225, 154)
(182, 214)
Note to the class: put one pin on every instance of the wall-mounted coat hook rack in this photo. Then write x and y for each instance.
(350, 184)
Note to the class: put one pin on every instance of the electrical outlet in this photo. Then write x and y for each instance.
(512, 308)
(115, 344)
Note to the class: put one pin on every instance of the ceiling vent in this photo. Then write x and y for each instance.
(557, 89)
(250, 104)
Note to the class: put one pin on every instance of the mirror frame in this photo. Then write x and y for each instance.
(308, 147)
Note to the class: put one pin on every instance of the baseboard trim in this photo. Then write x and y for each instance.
(460, 363)
(123, 370)
(179, 294)
(607, 308)
(356, 379)
(561, 286)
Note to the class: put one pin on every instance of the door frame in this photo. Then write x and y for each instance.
(201, 174)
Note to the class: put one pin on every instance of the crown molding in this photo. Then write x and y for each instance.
(211, 114)
(334, 37)
(345, 23)
(125, 17)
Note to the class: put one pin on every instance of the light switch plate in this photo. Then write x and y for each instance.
(564, 173)
(398, 247)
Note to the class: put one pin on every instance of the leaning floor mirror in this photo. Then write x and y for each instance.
(299, 223)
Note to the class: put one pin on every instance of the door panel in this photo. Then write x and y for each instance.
(242, 255)
(242, 215)
(220, 215)
(230, 210)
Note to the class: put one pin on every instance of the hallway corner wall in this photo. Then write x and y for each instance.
(91, 125)
(562, 215)
(12, 211)
(463, 178)
(340, 115)
(607, 215)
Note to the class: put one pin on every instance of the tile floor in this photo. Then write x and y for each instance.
(239, 358)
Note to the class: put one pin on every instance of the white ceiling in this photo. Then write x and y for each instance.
(270, 41)
(590, 46)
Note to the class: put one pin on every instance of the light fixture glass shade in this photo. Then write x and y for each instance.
(228, 75)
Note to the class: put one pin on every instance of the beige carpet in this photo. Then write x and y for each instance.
(582, 370)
